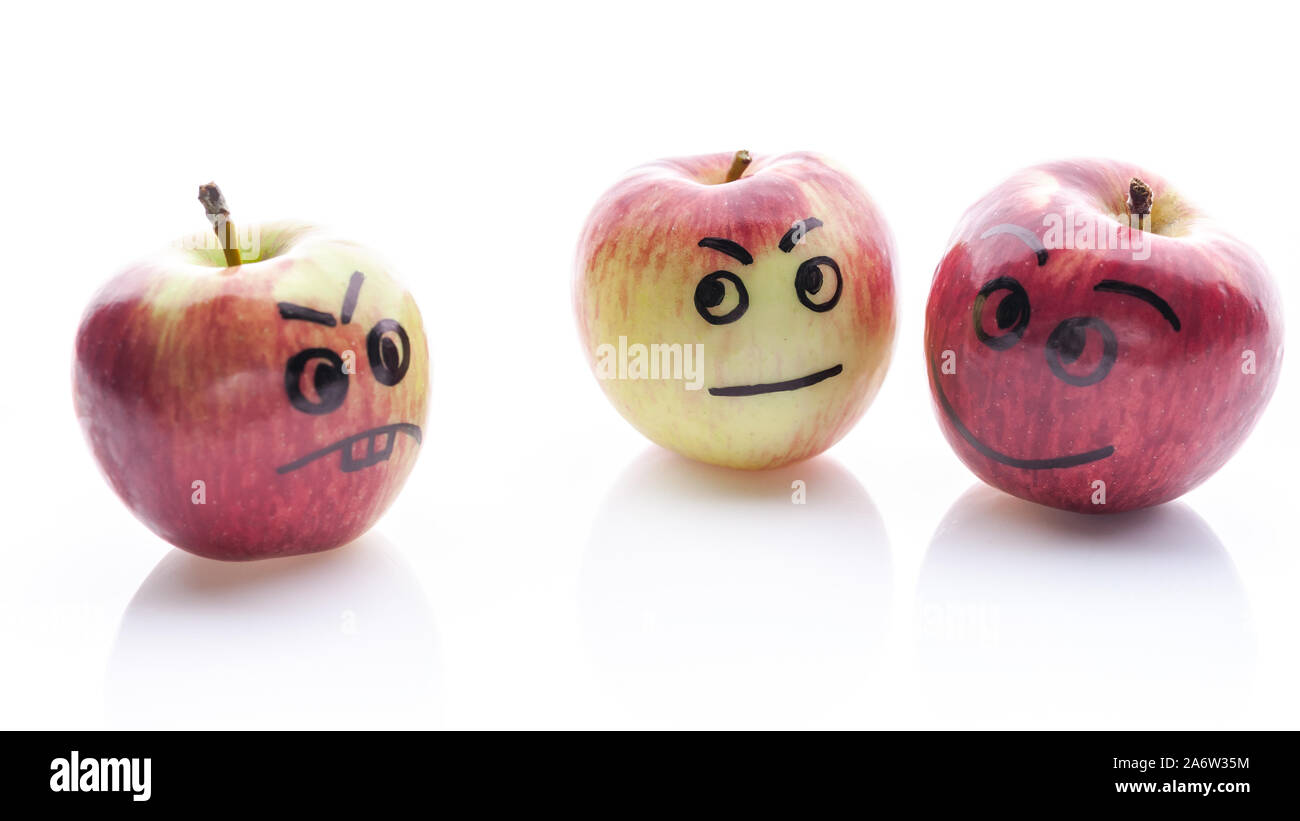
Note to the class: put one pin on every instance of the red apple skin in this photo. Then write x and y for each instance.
(180, 376)
(638, 264)
(1174, 405)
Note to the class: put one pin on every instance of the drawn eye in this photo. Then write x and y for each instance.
(1081, 350)
(721, 298)
(315, 381)
(812, 284)
(1003, 326)
(389, 351)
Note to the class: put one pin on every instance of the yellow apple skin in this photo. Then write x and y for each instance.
(639, 268)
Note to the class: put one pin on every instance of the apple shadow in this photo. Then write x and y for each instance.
(338, 639)
(1026, 611)
(708, 597)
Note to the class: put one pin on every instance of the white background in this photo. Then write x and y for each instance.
(545, 565)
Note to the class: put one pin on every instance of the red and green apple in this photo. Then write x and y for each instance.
(738, 310)
(269, 407)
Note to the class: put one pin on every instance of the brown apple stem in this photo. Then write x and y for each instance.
(1139, 198)
(738, 165)
(219, 215)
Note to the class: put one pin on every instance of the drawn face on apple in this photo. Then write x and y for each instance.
(316, 381)
(1109, 366)
(1079, 351)
(269, 409)
(776, 289)
(721, 298)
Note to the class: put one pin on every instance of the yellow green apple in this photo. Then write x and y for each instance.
(738, 310)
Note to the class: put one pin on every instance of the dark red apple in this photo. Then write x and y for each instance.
(1094, 343)
(264, 409)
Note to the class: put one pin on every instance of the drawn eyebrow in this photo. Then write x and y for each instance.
(350, 298)
(800, 229)
(290, 311)
(1024, 235)
(729, 248)
(1150, 297)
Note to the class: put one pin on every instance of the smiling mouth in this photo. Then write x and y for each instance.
(998, 456)
(370, 451)
(773, 387)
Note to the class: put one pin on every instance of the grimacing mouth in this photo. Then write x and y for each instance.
(1073, 460)
(774, 387)
(372, 455)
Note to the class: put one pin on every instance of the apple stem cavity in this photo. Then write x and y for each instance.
(738, 165)
(214, 204)
(1139, 197)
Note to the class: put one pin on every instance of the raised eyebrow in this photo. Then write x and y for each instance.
(800, 228)
(290, 311)
(731, 249)
(1024, 235)
(1148, 296)
(350, 298)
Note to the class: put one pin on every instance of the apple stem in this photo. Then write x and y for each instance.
(1139, 197)
(738, 165)
(219, 215)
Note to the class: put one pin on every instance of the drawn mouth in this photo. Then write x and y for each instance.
(370, 447)
(998, 456)
(773, 387)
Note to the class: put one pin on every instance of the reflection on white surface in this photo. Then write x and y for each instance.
(341, 638)
(1028, 612)
(709, 598)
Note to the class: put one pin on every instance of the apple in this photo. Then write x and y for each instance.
(1094, 343)
(738, 310)
(267, 408)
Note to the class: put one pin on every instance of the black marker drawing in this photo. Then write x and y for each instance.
(389, 361)
(1148, 296)
(797, 232)
(1067, 342)
(710, 292)
(1012, 313)
(1024, 235)
(808, 280)
(998, 456)
(774, 387)
(731, 249)
(371, 455)
(386, 362)
(329, 380)
(1065, 345)
(290, 311)
(350, 298)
